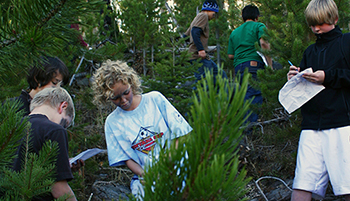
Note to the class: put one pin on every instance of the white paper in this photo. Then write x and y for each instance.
(297, 91)
(87, 154)
(263, 58)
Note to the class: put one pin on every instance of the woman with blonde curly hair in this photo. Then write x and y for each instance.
(133, 129)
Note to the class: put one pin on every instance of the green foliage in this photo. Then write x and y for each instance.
(37, 170)
(36, 176)
(13, 90)
(141, 22)
(234, 12)
(172, 74)
(11, 130)
(204, 166)
(288, 32)
(138, 19)
(269, 83)
(31, 29)
(219, 34)
(34, 28)
(185, 12)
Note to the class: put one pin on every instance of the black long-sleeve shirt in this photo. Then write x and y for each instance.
(330, 108)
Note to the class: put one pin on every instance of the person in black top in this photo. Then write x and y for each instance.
(50, 72)
(323, 152)
(52, 111)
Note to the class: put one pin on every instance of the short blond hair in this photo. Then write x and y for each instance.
(53, 96)
(108, 75)
(321, 11)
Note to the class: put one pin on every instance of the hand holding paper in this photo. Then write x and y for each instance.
(316, 77)
(297, 91)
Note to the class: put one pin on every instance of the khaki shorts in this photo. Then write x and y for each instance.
(323, 156)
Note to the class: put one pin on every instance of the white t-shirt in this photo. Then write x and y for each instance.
(133, 134)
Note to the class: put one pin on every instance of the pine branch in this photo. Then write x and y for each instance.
(7, 42)
(49, 15)
(31, 161)
(8, 140)
(199, 170)
(35, 177)
(52, 13)
(11, 127)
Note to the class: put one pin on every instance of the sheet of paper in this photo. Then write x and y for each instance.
(263, 58)
(87, 154)
(297, 91)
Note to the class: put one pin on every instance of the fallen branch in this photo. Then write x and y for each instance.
(284, 117)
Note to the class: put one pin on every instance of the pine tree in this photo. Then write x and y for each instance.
(37, 175)
(12, 128)
(288, 32)
(140, 23)
(30, 29)
(34, 28)
(219, 35)
(205, 164)
(184, 12)
(171, 73)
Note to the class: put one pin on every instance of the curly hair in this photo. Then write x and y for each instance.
(108, 75)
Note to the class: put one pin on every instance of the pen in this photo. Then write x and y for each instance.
(290, 63)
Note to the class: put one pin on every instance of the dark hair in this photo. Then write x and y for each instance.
(45, 70)
(250, 12)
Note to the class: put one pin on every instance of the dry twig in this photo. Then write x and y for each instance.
(269, 177)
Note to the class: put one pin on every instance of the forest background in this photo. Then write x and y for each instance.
(147, 35)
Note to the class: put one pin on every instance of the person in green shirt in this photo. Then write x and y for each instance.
(241, 49)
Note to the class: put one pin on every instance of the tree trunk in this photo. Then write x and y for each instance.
(144, 62)
(218, 62)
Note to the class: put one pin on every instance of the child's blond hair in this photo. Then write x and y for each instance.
(108, 75)
(53, 96)
(321, 11)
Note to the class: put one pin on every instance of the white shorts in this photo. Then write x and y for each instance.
(323, 156)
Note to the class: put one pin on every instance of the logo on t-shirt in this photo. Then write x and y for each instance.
(146, 140)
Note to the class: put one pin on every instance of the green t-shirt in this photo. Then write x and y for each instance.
(242, 42)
